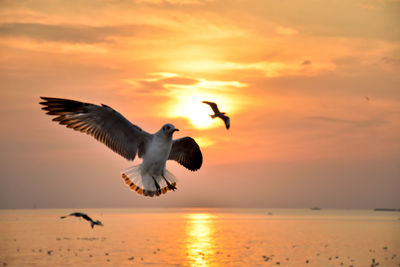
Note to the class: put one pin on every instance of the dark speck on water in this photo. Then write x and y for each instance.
(131, 258)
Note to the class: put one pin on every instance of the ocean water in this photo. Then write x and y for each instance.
(200, 237)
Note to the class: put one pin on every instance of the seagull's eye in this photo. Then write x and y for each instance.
(168, 127)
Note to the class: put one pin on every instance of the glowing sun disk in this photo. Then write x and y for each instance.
(191, 107)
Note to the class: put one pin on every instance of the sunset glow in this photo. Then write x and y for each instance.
(312, 91)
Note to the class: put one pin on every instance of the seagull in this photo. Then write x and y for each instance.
(218, 114)
(150, 178)
(84, 216)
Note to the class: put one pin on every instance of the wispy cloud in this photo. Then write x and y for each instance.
(286, 30)
(391, 60)
(74, 33)
(306, 62)
(361, 123)
(174, 2)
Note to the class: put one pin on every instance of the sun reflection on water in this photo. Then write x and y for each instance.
(200, 243)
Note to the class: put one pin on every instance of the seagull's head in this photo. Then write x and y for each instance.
(169, 129)
(98, 223)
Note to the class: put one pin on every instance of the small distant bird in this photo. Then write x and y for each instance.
(84, 216)
(218, 114)
(367, 98)
(151, 178)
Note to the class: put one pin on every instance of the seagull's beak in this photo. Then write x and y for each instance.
(175, 130)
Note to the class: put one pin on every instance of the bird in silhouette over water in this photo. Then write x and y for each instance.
(218, 113)
(84, 216)
(150, 178)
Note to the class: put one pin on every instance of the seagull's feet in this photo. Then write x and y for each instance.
(170, 186)
(157, 186)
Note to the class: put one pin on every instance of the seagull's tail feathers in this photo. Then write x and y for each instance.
(145, 184)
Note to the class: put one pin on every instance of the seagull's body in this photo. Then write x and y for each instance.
(84, 216)
(218, 113)
(151, 178)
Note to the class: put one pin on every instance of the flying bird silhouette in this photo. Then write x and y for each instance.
(218, 114)
(84, 216)
(150, 178)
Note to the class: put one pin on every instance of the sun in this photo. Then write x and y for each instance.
(186, 101)
(190, 106)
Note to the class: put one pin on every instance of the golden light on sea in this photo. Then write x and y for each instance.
(200, 243)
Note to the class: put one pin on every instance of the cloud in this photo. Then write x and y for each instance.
(306, 62)
(361, 123)
(159, 81)
(286, 30)
(391, 60)
(174, 2)
(73, 33)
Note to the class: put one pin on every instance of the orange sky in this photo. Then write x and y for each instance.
(293, 75)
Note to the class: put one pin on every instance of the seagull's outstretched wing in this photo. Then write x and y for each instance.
(213, 106)
(187, 153)
(102, 122)
(87, 218)
(77, 214)
(226, 120)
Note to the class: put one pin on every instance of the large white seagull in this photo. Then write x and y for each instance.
(150, 178)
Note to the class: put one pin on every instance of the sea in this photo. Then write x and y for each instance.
(200, 237)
